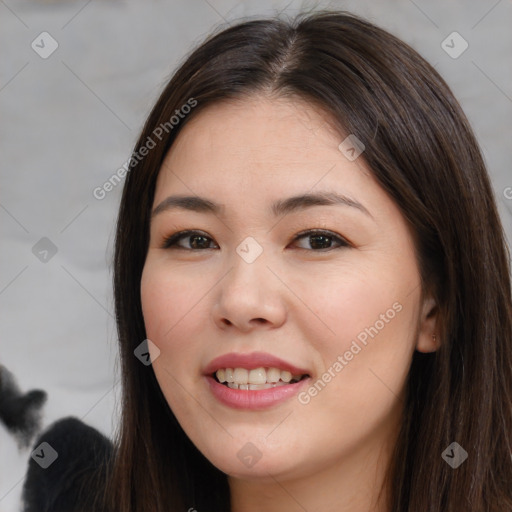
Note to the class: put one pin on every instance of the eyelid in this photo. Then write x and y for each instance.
(171, 241)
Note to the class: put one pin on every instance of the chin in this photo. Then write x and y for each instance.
(249, 462)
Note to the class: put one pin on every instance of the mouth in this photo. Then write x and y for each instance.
(256, 378)
(254, 381)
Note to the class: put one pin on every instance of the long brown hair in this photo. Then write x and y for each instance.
(423, 153)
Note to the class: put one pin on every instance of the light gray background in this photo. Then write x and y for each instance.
(69, 121)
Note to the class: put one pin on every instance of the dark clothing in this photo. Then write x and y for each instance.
(66, 475)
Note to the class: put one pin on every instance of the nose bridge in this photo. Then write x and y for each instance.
(247, 292)
(248, 265)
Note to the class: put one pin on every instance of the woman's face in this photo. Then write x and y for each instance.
(337, 309)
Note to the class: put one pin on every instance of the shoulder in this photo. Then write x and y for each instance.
(65, 458)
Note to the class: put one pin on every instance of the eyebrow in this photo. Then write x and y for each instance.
(280, 207)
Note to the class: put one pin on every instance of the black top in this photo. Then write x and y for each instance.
(67, 467)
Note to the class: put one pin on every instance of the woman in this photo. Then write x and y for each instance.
(309, 255)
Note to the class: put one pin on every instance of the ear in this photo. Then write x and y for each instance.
(428, 335)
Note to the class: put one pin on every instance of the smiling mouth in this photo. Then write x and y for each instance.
(255, 379)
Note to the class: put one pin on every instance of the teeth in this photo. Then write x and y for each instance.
(259, 386)
(273, 374)
(255, 387)
(286, 376)
(257, 378)
(241, 376)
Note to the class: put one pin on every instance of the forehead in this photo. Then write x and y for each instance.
(257, 139)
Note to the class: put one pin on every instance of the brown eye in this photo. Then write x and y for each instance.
(196, 241)
(321, 240)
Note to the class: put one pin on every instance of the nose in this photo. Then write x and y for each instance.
(249, 296)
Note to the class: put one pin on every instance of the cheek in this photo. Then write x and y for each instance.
(165, 301)
(176, 316)
(172, 318)
(369, 320)
(155, 301)
(365, 364)
(168, 316)
(357, 305)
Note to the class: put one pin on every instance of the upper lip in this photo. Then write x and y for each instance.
(250, 361)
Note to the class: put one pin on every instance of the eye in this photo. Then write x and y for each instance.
(319, 240)
(197, 239)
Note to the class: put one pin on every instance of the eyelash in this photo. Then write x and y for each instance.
(171, 241)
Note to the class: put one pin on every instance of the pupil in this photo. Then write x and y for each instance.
(196, 246)
(317, 237)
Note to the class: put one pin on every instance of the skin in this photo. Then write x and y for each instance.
(300, 302)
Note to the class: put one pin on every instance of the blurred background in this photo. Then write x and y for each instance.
(77, 80)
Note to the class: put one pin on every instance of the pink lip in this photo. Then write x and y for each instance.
(250, 361)
(257, 399)
(253, 399)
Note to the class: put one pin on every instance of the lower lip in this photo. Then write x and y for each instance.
(254, 399)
